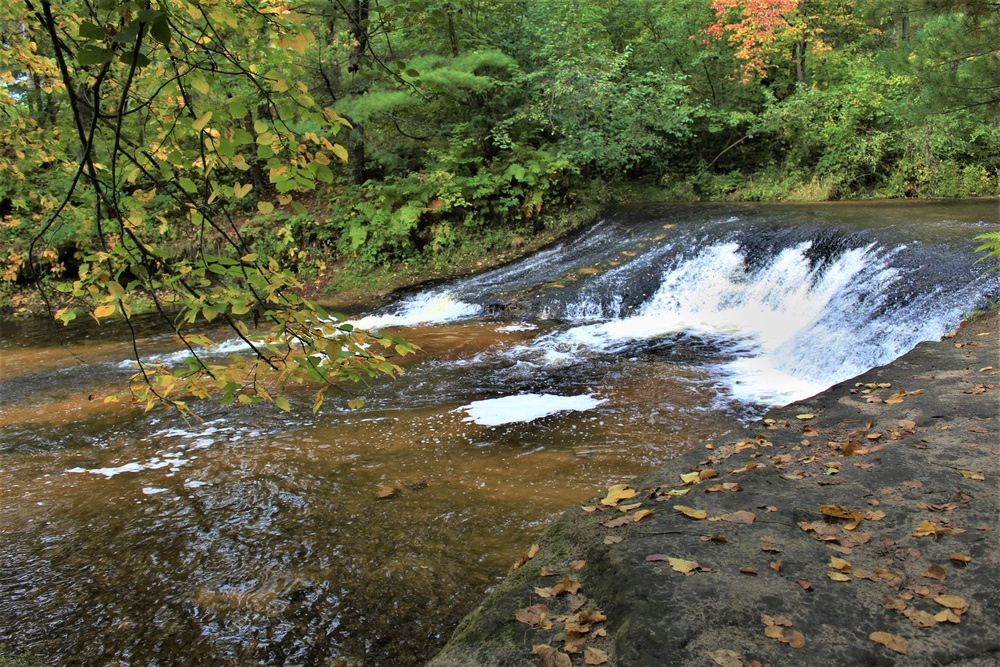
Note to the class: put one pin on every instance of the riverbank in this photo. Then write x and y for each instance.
(857, 527)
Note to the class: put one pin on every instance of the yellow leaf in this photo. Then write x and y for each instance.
(103, 311)
(805, 416)
(321, 158)
(968, 474)
(202, 121)
(240, 190)
(617, 493)
(629, 508)
(838, 576)
(691, 512)
(960, 558)
(691, 478)
(265, 207)
(340, 152)
(640, 515)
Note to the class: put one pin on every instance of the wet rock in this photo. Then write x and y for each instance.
(883, 552)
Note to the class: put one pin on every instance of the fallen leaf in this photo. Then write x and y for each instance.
(708, 474)
(776, 566)
(594, 656)
(385, 492)
(617, 493)
(936, 572)
(893, 603)
(547, 571)
(550, 657)
(947, 616)
(683, 566)
(726, 658)
(640, 515)
(838, 576)
(805, 584)
(714, 538)
(629, 508)
(960, 558)
(577, 564)
(535, 615)
(876, 515)
(612, 539)
(921, 619)
(861, 573)
(908, 425)
(893, 642)
(575, 638)
(589, 508)
(599, 632)
(691, 478)
(952, 602)
(533, 551)
(690, 512)
(840, 564)
(591, 616)
(748, 570)
(805, 416)
(617, 523)
(968, 474)
(742, 516)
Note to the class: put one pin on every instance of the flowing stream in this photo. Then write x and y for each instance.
(258, 537)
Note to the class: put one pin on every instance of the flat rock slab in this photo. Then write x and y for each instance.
(857, 527)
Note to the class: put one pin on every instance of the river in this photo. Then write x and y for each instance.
(259, 537)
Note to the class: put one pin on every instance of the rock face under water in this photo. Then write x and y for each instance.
(873, 541)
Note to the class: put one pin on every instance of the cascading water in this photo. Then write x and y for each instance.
(362, 536)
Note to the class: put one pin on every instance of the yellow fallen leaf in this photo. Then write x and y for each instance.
(629, 508)
(919, 618)
(691, 478)
(805, 416)
(968, 474)
(893, 642)
(617, 493)
(960, 558)
(947, 616)
(684, 566)
(840, 564)
(640, 515)
(838, 576)
(691, 512)
(577, 564)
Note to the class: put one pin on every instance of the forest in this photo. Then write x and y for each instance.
(212, 158)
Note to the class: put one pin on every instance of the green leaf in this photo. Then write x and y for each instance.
(93, 55)
(128, 34)
(237, 109)
(145, 15)
(187, 184)
(356, 403)
(340, 152)
(90, 31)
(282, 403)
(160, 30)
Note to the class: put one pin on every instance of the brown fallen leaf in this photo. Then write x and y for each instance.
(708, 474)
(776, 565)
(919, 618)
(591, 616)
(726, 658)
(535, 615)
(936, 572)
(894, 603)
(599, 632)
(955, 602)
(960, 558)
(748, 570)
(386, 492)
(577, 564)
(714, 538)
(612, 539)
(945, 507)
(550, 657)
(890, 641)
(547, 571)
(742, 516)
(594, 656)
(805, 584)
(618, 523)
(690, 512)
(947, 616)
(575, 638)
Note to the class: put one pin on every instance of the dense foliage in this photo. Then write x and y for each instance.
(188, 151)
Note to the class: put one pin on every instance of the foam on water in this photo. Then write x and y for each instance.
(434, 307)
(525, 408)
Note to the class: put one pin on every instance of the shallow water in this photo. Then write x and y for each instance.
(258, 537)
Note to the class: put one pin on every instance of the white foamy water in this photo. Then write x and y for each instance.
(794, 327)
(525, 408)
(435, 307)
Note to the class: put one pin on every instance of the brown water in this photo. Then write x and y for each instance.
(265, 542)
(257, 537)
